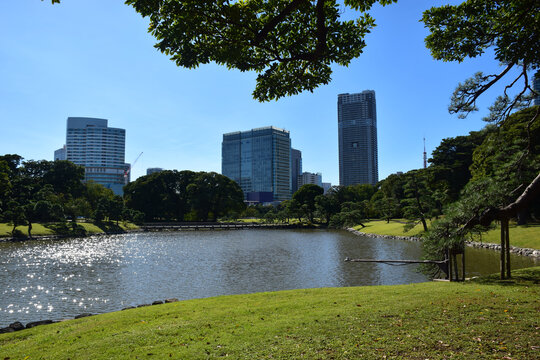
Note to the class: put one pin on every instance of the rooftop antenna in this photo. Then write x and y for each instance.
(425, 156)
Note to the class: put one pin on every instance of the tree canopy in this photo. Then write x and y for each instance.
(291, 44)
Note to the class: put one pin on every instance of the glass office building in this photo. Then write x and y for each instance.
(259, 160)
(100, 149)
(296, 169)
(357, 138)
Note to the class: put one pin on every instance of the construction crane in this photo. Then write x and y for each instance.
(128, 170)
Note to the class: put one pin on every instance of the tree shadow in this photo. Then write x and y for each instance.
(521, 277)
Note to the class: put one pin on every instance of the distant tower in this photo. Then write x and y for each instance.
(536, 88)
(425, 155)
(357, 138)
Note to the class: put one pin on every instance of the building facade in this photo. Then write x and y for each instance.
(326, 186)
(536, 87)
(153, 170)
(311, 178)
(357, 138)
(259, 160)
(100, 149)
(60, 154)
(296, 169)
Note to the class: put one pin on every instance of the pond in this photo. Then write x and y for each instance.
(56, 279)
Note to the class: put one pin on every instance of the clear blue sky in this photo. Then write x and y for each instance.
(95, 58)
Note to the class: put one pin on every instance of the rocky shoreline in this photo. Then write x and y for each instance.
(18, 326)
(513, 249)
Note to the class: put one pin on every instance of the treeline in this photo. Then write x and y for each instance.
(53, 192)
(172, 195)
(486, 165)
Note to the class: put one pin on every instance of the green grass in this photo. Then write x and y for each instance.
(394, 228)
(37, 230)
(41, 230)
(525, 236)
(418, 321)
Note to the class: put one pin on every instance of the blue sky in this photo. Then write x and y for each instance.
(95, 58)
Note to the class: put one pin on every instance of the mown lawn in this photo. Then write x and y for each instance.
(37, 230)
(419, 321)
(41, 230)
(394, 228)
(526, 236)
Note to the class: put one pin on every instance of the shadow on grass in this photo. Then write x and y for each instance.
(109, 227)
(524, 277)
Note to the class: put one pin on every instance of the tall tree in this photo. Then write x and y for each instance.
(450, 162)
(305, 196)
(512, 29)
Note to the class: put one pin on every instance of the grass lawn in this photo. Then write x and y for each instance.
(420, 321)
(394, 228)
(37, 230)
(40, 230)
(526, 236)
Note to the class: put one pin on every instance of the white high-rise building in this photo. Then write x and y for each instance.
(311, 178)
(100, 149)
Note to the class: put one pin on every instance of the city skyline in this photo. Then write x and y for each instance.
(73, 59)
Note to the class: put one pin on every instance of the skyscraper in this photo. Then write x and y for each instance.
(296, 169)
(259, 160)
(536, 87)
(100, 149)
(357, 138)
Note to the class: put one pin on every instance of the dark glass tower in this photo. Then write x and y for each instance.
(536, 87)
(259, 160)
(296, 169)
(357, 138)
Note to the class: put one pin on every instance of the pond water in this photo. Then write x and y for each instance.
(63, 278)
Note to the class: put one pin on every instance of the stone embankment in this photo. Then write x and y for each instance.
(513, 249)
(17, 325)
(393, 237)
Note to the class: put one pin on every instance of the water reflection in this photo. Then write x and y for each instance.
(60, 279)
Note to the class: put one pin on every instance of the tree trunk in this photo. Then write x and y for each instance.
(522, 216)
(507, 241)
(456, 272)
(503, 248)
(424, 224)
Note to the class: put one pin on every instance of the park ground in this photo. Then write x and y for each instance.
(523, 236)
(485, 319)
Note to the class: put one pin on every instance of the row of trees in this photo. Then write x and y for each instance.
(53, 191)
(184, 196)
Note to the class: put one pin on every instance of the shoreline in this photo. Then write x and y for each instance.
(533, 253)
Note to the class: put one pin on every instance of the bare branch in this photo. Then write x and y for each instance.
(470, 96)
